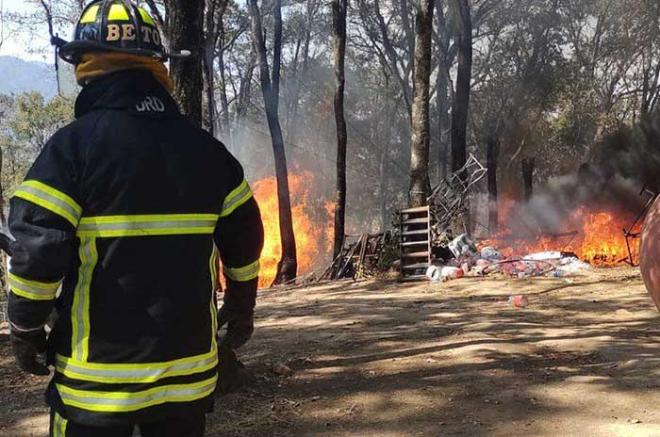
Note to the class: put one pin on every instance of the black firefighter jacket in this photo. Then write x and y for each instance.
(118, 226)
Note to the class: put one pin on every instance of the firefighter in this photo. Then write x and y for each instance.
(118, 227)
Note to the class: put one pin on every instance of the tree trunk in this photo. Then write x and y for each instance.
(209, 94)
(287, 267)
(222, 123)
(384, 192)
(463, 36)
(245, 88)
(528, 178)
(185, 24)
(224, 103)
(419, 159)
(492, 155)
(442, 96)
(442, 81)
(339, 52)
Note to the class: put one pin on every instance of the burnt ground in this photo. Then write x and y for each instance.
(380, 358)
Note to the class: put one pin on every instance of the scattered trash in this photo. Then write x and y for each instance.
(543, 256)
(433, 273)
(462, 246)
(481, 267)
(451, 273)
(490, 254)
(525, 269)
(519, 301)
(572, 265)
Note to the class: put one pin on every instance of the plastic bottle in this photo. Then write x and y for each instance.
(451, 273)
(518, 301)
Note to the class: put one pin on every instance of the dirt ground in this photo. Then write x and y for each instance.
(380, 358)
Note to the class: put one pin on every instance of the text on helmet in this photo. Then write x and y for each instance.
(126, 32)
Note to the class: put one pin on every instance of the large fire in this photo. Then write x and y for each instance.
(595, 236)
(311, 224)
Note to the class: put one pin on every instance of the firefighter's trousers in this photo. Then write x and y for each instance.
(184, 426)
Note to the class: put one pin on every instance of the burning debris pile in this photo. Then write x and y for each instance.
(589, 238)
(595, 236)
(469, 260)
(567, 227)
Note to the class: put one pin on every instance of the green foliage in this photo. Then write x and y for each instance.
(35, 121)
(26, 124)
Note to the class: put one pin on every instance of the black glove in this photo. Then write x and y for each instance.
(239, 327)
(26, 346)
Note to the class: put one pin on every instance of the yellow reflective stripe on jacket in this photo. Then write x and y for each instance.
(236, 198)
(242, 274)
(30, 289)
(80, 308)
(213, 267)
(51, 199)
(59, 425)
(134, 373)
(119, 402)
(147, 225)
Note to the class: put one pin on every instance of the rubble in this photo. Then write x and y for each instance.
(468, 260)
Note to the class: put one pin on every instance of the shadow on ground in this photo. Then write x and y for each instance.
(381, 358)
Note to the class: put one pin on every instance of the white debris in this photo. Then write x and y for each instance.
(551, 255)
(491, 254)
(572, 265)
(462, 246)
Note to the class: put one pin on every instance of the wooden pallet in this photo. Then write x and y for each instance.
(415, 243)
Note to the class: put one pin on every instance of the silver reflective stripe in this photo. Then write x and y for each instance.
(242, 274)
(79, 312)
(37, 289)
(18, 328)
(146, 226)
(131, 401)
(51, 199)
(139, 373)
(236, 198)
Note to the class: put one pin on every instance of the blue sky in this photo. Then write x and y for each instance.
(23, 43)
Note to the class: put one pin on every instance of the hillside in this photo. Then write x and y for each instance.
(25, 76)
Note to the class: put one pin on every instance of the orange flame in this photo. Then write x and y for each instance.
(599, 239)
(603, 241)
(311, 225)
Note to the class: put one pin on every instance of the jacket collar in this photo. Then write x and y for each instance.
(134, 90)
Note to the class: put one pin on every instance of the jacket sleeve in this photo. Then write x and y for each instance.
(44, 214)
(239, 236)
